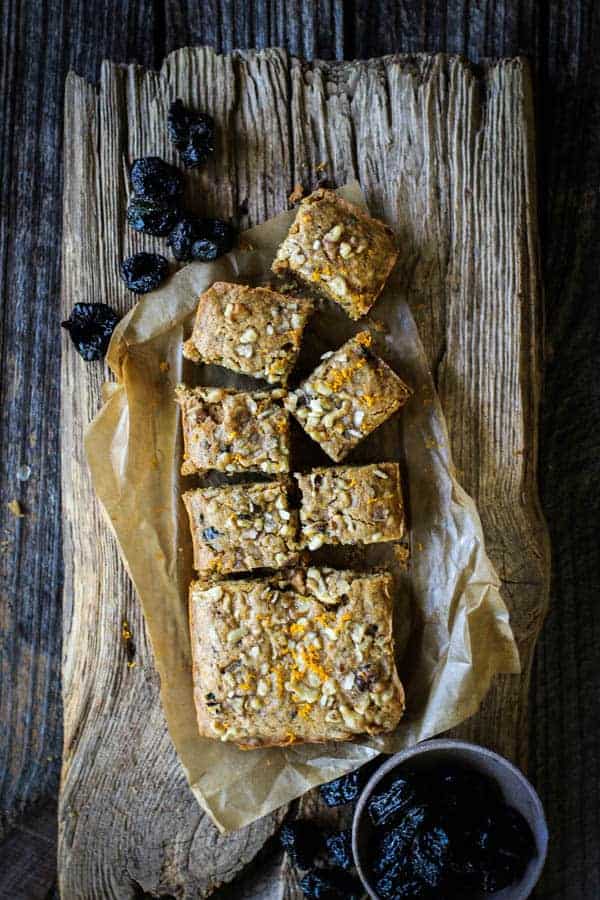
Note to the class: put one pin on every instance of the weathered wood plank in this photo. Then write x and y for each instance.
(426, 161)
(418, 133)
(40, 43)
(29, 856)
(116, 742)
(312, 30)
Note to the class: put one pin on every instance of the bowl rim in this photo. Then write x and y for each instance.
(527, 884)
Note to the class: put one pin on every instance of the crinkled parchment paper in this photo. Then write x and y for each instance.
(452, 627)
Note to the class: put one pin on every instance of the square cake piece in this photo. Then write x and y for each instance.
(350, 394)
(240, 527)
(337, 248)
(253, 331)
(233, 431)
(351, 505)
(285, 660)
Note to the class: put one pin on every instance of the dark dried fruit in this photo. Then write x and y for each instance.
(210, 534)
(347, 788)
(506, 845)
(366, 676)
(143, 272)
(151, 217)
(201, 239)
(396, 886)
(430, 853)
(182, 237)
(390, 804)
(90, 326)
(339, 849)
(302, 841)
(396, 843)
(452, 836)
(154, 179)
(192, 133)
(179, 119)
(216, 238)
(330, 884)
(456, 787)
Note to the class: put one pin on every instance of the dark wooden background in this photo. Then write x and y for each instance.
(41, 41)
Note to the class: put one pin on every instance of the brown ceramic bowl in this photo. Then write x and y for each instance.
(515, 788)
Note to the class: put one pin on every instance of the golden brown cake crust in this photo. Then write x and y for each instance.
(350, 394)
(236, 528)
(233, 431)
(253, 331)
(303, 658)
(351, 505)
(339, 249)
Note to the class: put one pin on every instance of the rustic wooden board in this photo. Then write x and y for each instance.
(446, 156)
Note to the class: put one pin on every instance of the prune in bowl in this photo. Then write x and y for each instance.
(449, 819)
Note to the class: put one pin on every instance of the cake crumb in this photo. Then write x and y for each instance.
(296, 195)
(15, 508)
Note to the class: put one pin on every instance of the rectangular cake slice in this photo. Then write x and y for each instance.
(350, 394)
(336, 247)
(280, 661)
(240, 527)
(233, 431)
(253, 331)
(351, 505)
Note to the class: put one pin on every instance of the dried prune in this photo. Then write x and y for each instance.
(396, 843)
(90, 327)
(429, 855)
(366, 676)
(302, 841)
(151, 217)
(179, 119)
(452, 836)
(388, 806)
(143, 272)
(339, 849)
(154, 179)
(398, 886)
(464, 862)
(182, 237)
(347, 788)
(201, 239)
(192, 133)
(216, 238)
(456, 787)
(196, 151)
(505, 844)
(342, 790)
(330, 884)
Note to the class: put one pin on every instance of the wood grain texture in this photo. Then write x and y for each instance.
(418, 133)
(35, 54)
(116, 743)
(39, 43)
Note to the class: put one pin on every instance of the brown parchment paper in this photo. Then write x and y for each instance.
(452, 627)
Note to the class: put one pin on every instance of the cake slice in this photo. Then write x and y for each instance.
(350, 394)
(337, 248)
(233, 431)
(240, 527)
(252, 331)
(283, 660)
(351, 505)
